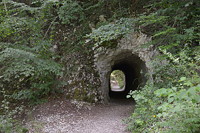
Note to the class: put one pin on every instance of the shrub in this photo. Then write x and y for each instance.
(170, 103)
(71, 12)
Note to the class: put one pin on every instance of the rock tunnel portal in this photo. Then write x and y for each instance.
(133, 68)
(130, 58)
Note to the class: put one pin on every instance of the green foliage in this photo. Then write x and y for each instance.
(24, 70)
(170, 103)
(30, 29)
(173, 109)
(28, 71)
(26, 63)
(104, 35)
(180, 112)
(29, 67)
(7, 123)
(146, 108)
(172, 22)
(71, 12)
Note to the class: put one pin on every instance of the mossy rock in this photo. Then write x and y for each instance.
(81, 94)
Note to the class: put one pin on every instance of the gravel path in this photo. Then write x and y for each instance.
(78, 117)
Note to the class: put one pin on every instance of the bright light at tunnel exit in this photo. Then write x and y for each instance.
(117, 81)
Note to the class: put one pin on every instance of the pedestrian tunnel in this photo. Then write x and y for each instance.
(127, 73)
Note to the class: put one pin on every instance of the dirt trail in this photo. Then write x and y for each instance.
(65, 117)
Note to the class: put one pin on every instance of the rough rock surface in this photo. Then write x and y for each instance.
(128, 47)
(77, 117)
(87, 75)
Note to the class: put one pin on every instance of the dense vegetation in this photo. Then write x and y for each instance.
(35, 35)
(170, 103)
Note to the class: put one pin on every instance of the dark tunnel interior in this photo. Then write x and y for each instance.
(131, 67)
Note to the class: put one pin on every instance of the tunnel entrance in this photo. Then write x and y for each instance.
(130, 58)
(133, 69)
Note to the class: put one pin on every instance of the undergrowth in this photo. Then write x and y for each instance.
(36, 36)
(170, 103)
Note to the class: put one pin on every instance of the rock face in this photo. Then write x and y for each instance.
(88, 75)
(82, 79)
(129, 57)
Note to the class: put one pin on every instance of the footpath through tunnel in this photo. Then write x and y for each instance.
(128, 57)
(133, 69)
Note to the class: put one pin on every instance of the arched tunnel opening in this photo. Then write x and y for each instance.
(134, 70)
